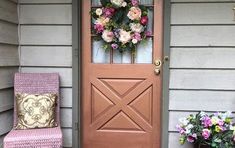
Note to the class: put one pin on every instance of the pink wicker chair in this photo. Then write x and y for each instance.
(35, 138)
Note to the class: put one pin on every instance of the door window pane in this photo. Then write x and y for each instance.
(146, 2)
(95, 2)
(99, 55)
(144, 52)
(121, 58)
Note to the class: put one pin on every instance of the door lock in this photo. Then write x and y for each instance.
(157, 71)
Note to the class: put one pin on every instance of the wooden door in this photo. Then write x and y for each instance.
(121, 94)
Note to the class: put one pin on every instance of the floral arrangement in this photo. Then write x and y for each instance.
(121, 24)
(214, 130)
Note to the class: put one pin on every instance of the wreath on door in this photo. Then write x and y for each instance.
(120, 24)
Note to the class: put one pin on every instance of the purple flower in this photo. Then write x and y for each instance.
(206, 133)
(148, 33)
(99, 28)
(108, 12)
(137, 36)
(114, 46)
(116, 33)
(206, 121)
(135, 2)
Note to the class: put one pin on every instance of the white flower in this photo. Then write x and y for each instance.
(134, 41)
(124, 4)
(136, 27)
(183, 121)
(124, 36)
(108, 36)
(98, 11)
(117, 2)
(102, 21)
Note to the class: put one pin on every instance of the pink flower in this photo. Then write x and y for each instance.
(144, 20)
(206, 133)
(135, 2)
(114, 46)
(99, 28)
(191, 138)
(108, 12)
(108, 36)
(206, 121)
(134, 13)
(137, 36)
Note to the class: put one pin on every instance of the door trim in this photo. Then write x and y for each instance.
(76, 67)
(166, 73)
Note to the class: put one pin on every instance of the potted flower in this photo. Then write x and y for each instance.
(207, 130)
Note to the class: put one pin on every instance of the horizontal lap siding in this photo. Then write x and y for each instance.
(202, 69)
(46, 46)
(9, 63)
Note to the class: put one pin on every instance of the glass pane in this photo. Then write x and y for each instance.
(144, 52)
(99, 55)
(150, 22)
(121, 58)
(117, 57)
(146, 2)
(95, 2)
(126, 57)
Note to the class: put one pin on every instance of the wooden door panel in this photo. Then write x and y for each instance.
(121, 103)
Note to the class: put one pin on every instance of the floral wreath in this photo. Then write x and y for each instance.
(121, 24)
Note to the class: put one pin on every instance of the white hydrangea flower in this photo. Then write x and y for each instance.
(124, 4)
(125, 36)
(117, 2)
(136, 27)
(183, 121)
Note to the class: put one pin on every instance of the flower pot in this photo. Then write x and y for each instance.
(201, 146)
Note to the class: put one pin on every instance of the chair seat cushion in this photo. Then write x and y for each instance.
(46, 137)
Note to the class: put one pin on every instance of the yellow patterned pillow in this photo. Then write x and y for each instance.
(36, 111)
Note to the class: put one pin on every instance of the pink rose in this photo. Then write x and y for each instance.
(206, 133)
(134, 13)
(108, 12)
(99, 28)
(144, 20)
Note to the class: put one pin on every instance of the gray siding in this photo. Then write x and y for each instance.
(202, 59)
(46, 46)
(9, 63)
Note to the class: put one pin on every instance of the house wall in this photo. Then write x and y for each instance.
(46, 46)
(202, 66)
(9, 63)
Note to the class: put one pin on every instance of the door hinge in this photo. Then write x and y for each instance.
(76, 126)
(75, 52)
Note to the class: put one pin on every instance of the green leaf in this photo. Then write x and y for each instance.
(104, 2)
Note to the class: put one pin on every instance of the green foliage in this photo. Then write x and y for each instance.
(104, 2)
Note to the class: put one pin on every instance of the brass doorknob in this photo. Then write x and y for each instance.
(158, 63)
